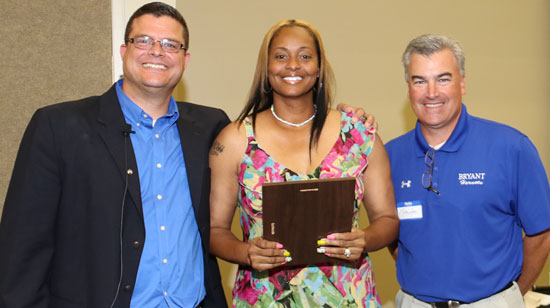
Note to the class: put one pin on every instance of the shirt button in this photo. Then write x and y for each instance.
(127, 288)
(129, 171)
(162, 228)
(159, 165)
(138, 124)
(145, 116)
(159, 197)
(165, 293)
(157, 136)
(136, 244)
(164, 261)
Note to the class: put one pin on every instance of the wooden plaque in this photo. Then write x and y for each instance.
(298, 213)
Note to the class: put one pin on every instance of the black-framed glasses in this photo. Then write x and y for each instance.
(427, 176)
(145, 42)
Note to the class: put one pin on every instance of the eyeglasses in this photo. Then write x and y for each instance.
(427, 176)
(146, 43)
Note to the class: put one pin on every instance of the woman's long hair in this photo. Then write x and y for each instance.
(260, 96)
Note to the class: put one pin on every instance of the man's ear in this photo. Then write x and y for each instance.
(409, 89)
(122, 50)
(186, 59)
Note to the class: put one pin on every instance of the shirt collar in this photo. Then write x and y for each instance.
(134, 114)
(453, 143)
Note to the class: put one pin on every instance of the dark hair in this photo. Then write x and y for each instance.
(158, 9)
(260, 97)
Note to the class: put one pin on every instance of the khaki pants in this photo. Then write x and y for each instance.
(509, 298)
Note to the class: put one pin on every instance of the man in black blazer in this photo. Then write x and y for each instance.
(79, 210)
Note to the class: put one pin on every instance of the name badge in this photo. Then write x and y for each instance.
(409, 210)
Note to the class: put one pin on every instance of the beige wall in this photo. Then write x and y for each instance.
(53, 51)
(506, 42)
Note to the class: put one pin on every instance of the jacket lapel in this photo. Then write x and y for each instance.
(191, 142)
(111, 127)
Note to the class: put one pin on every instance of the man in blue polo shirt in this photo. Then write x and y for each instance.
(465, 189)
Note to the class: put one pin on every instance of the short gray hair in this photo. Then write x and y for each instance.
(427, 45)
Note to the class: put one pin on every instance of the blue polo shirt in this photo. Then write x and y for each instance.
(465, 243)
(171, 270)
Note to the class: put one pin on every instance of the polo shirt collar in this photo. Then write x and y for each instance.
(452, 144)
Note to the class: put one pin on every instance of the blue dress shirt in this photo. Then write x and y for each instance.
(171, 270)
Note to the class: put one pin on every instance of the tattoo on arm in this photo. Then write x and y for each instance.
(217, 148)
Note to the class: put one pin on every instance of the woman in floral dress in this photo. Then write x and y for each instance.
(288, 132)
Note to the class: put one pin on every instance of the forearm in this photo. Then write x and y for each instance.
(381, 232)
(535, 253)
(225, 245)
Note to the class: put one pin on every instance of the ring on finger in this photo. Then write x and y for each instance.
(347, 253)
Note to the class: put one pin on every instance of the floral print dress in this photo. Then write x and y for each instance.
(339, 284)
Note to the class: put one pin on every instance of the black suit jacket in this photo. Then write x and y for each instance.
(68, 205)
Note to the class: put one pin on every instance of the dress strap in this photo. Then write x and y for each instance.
(249, 129)
(250, 138)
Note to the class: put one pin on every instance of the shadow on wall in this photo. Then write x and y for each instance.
(408, 116)
(180, 92)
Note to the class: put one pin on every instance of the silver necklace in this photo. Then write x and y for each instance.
(293, 124)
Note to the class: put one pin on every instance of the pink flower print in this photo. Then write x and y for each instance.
(357, 137)
(328, 163)
(258, 159)
(344, 122)
(250, 295)
(243, 170)
(362, 163)
(331, 157)
(246, 229)
(344, 148)
(258, 185)
(272, 175)
(338, 147)
(277, 280)
(244, 290)
(336, 279)
(371, 130)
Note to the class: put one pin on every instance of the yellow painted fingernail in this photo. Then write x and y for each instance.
(287, 253)
(321, 242)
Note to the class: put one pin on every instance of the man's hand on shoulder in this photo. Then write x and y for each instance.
(359, 114)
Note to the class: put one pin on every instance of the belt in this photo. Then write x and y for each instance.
(456, 304)
(447, 304)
